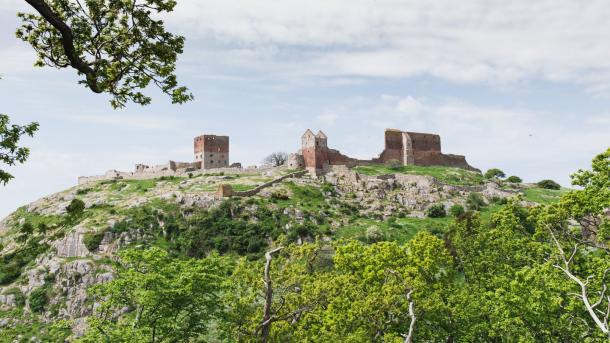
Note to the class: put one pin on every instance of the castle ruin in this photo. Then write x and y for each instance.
(212, 151)
(404, 148)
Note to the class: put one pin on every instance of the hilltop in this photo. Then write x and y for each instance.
(53, 250)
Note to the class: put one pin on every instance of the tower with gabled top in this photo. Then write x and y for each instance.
(314, 149)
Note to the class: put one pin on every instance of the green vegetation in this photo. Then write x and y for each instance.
(514, 179)
(548, 184)
(542, 196)
(475, 202)
(39, 298)
(448, 175)
(19, 297)
(10, 151)
(494, 173)
(436, 211)
(456, 210)
(92, 240)
(76, 208)
(14, 262)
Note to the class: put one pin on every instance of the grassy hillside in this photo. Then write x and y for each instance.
(448, 175)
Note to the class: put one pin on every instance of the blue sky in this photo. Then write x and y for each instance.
(520, 86)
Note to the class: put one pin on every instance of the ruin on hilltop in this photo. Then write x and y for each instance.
(401, 147)
(212, 152)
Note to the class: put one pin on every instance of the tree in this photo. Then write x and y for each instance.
(75, 208)
(167, 299)
(548, 184)
(117, 47)
(10, 151)
(514, 179)
(494, 173)
(578, 226)
(276, 159)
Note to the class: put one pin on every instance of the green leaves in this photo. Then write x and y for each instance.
(10, 151)
(168, 299)
(116, 46)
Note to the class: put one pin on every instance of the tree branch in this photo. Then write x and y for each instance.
(67, 39)
(267, 317)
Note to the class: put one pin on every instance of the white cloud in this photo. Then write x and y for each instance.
(476, 41)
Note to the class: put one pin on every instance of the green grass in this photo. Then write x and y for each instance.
(401, 231)
(241, 188)
(543, 196)
(448, 175)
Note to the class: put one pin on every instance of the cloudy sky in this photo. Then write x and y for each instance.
(521, 85)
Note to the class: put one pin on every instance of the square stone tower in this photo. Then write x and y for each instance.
(212, 151)
(315, 152)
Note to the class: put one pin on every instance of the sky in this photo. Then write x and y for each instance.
(520, 85)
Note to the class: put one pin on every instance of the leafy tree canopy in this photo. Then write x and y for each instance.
(11, 152)
(117, 47)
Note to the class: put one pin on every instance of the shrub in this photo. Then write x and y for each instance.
(92, 240)
(474, 202)
(499, 200)
(279, 195)
(514, 179)
(494, 172)
(83, 191)
(43, 228)
(76, 207)
(548, 184)
(373, 234)
(436, 211)
(39, 299)
(456, 210)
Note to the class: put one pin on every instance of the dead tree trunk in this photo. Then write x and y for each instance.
(267, 316)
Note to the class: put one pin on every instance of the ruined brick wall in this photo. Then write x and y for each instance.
(394, 147)
(457, 161)
(173, 165)
(212, 151)
(422, 149)
(335, 157)
(295, 161)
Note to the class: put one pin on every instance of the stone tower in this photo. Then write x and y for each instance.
(212, 151)
(315, 151)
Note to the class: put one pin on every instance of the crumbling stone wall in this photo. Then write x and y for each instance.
(408, 148)
(212, 151)
(295, 161)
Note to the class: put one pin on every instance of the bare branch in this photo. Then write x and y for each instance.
(267, 317)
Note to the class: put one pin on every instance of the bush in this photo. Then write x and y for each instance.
(279, 195)
(436, 211)
(474, 202)
(39, 299)
(548, 184)
(456, 210)
(373, 234)
(514, 179)
(499, 200)
(494, 172)
(83, 191)
(76, 207)
(92, 240)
